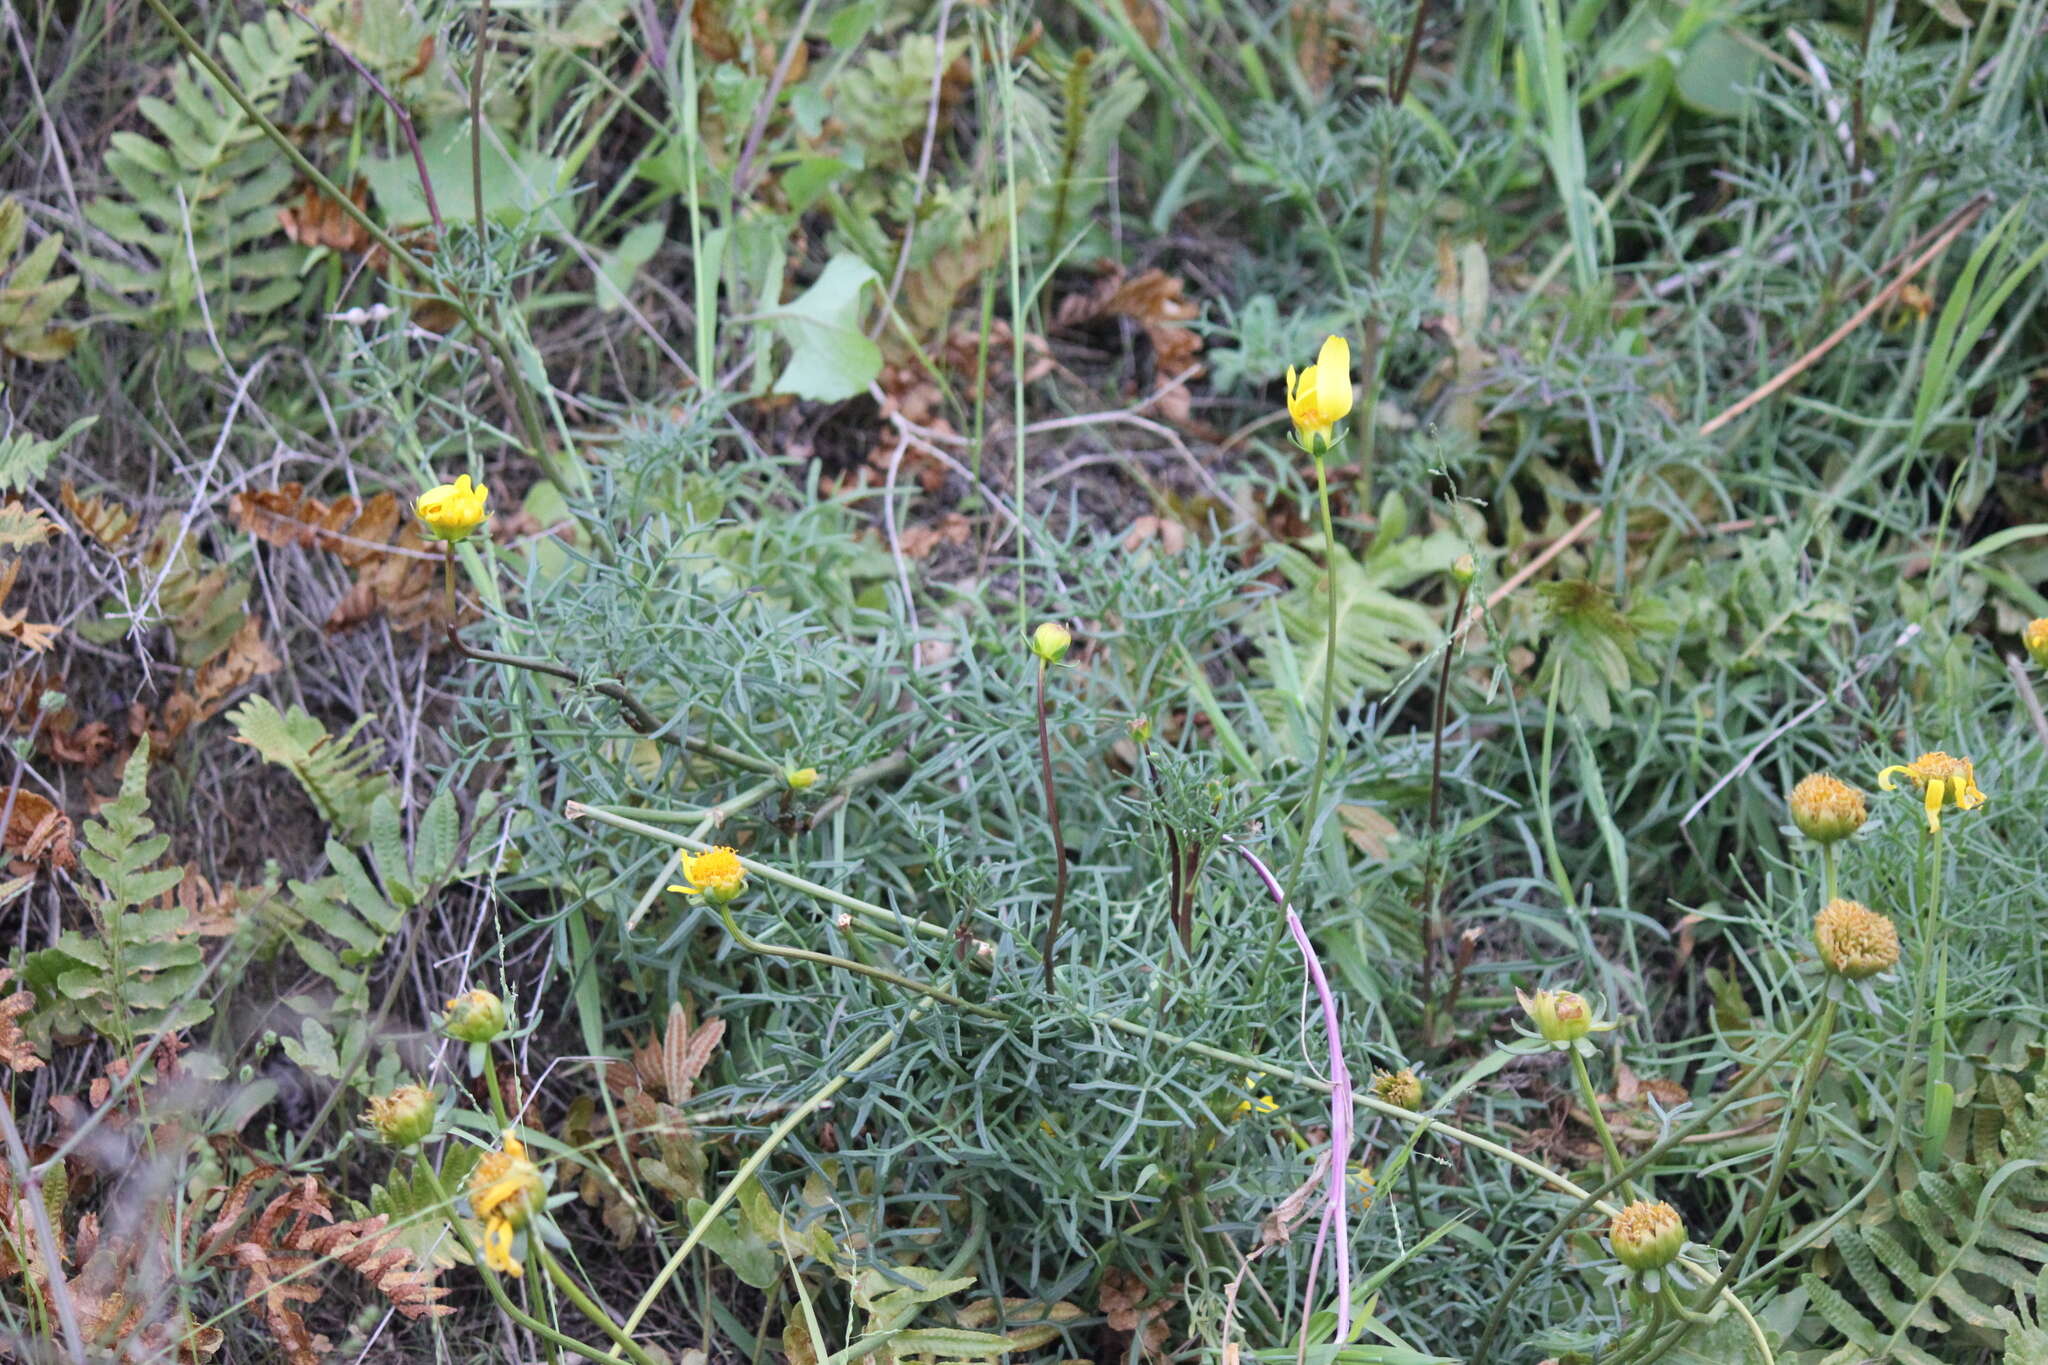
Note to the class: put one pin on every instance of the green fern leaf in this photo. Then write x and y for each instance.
(334, 771)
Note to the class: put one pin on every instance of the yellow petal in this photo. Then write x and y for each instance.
(1884, 779)
(1333, 380)
(1933, 803)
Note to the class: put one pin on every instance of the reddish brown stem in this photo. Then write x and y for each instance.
(1052, 818)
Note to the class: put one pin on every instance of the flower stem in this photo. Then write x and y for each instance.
(1312, 811)
(1615, 1165)
(1809, 1077)
(587, 1306)
(1544, 815)
(497, 1097)
(1052, 818)
(1432, 926)
(1827, 865)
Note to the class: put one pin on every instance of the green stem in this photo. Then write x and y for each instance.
(1827, 864)
(1313, 810)
(1543, 812)
(1615, 1165)
(1052, 819)
(1767, 1203)
(587, 1306)
(497, 1098)
(845, 964)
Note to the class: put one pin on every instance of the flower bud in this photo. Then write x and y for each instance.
(1141, 730)
(1463, 570)
(1560, 1016)
(1825, 808)
(1854, 940)
(1647, 1236)
(403, 1117)
(1049, 642)
(801, 779)
(2036, 638)
(475, 1017)
(1402, 1089)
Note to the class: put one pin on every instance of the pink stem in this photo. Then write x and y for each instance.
(1340, 1094)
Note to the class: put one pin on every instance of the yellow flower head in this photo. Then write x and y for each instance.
(403, 1117)
(800, 779)
(505, 1191)
(1256, 1101)
(716, 873)
(1402, 1089)
(1941, 780)
(1854, 940)
(2036, 638)
(1647, 1236)
(475, 1017)
(1320, 396)
(450, 511)
(1561, 1016)
(1825, 808)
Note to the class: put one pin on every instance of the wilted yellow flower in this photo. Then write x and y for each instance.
(1647, 1236)
(505, 1191)
(1942, 780)
(403, 1117)
(1402, 1089)
(2036, 638)
(475, 1017)
(1854, 940)
(1825, 808)
(1320, 396)
(450, 511)
(1561, 1016)
(1257, 1101)
(1050, 641)
(716, 873)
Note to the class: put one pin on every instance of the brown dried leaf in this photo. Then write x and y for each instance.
(109, 523)
(1155, 301)
(247, 657)
(15, 1049)
(918, 542)
(35, 636)
(396, 573)
(365, 1246)
(318, 220)
(37, 831)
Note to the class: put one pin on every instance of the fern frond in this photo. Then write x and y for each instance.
(334, 771)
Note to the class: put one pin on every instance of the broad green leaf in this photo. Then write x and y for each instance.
(831, 358)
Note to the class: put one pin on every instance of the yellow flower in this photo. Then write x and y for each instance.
(403, 1117)
(1825, 808)
(1854, 940)
(505, 1191)
(1050, 641)
(475, 1017)
(451, 511)
(801, 779)
(1942, 780)
(1647, 1236)
(1320, 396)
(1256, 1101)
(1402, 1088)
(716, 873)
(2036, 639)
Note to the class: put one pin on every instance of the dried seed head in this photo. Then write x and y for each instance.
(1647, 1236)
(1402, 1089)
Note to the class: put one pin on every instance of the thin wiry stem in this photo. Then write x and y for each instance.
(1052, 819)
